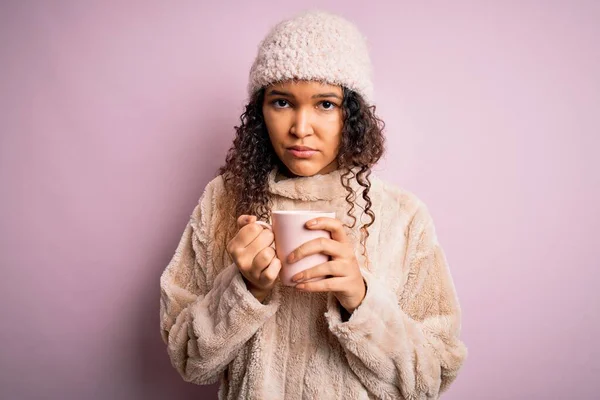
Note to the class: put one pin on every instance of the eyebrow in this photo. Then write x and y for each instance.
(274, 92)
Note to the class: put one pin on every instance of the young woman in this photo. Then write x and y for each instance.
(385, 321)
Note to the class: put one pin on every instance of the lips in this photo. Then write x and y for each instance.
(301, 148)
(302, 151)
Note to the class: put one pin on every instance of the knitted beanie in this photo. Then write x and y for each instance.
(314, 45)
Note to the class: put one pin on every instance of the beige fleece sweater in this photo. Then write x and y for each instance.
(402, 342)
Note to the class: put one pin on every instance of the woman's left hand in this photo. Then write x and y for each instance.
(342, 273)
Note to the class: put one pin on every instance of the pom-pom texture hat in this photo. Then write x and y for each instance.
(314, 45)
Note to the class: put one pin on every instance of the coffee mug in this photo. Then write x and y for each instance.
(290, 231)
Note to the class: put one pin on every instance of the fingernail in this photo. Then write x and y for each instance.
(299, 277)
(300, 286)
(313, 222)
(291, 258)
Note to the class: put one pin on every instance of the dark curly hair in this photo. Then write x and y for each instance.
(252, 157)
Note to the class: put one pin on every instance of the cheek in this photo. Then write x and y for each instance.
(277, 131)
(273, 126)
(333, 135)
(335, 144)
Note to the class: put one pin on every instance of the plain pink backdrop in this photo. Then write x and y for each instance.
(114, 116)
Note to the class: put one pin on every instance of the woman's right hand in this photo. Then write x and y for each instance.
(251, 251)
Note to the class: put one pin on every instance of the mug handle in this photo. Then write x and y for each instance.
(269, 227)
(265, 224)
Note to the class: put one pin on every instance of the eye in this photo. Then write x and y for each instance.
(327, 105)
(280, 103)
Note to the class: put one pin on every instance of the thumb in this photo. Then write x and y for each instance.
(244, 220)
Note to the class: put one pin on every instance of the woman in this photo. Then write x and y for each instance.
(384, 323)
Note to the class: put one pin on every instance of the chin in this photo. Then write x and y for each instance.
(304, 168)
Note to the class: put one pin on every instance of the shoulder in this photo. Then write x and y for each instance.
(214, 188)
(210, 198)
(212, 194)
(398, 203)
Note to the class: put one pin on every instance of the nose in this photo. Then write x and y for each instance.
(301, 125)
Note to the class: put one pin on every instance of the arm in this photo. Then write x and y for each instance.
(406, 345)
(204, 323)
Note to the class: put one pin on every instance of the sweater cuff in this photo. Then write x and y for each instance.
(375, 308)
(240, 289)
(231, 301)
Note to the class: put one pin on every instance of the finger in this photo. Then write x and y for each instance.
(335, 284)
(270, 274)
(261, 261)
(333, 225)
(247, 234)
(244, 220)
(318, 246)
(330, 268)
(264, 224)
(262, 240)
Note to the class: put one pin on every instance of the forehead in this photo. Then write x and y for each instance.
(305, 87)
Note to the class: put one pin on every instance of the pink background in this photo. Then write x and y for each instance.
(115, 116)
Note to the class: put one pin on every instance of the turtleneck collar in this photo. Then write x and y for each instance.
(310, 188)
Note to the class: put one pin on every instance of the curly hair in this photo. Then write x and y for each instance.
(252, 157)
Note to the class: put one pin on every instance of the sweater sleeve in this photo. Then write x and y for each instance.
(405, 345)
(204, 324)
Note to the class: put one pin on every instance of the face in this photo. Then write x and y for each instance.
(304, 120)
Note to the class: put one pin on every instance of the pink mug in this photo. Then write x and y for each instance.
(290, 231)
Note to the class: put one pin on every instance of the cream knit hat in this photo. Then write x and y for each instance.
(314, 45)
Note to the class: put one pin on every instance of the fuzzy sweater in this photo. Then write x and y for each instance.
(402, 342)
